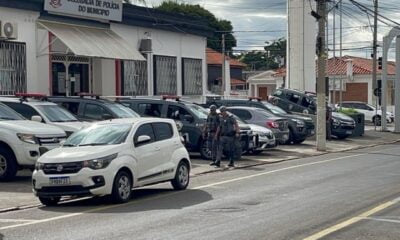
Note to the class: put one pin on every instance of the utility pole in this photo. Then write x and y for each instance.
(341, 53)
(374, 61)
(223, 65)
(321, 83)
(334, 54)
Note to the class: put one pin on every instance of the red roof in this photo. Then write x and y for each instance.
(235, 81)
(215, 58)
(338, 66)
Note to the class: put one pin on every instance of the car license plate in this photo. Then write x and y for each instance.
(349, 132)
(60, 181)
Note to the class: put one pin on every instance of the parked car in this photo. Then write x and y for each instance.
(92, 108)
(294, 101)
(300, 127)
(37, 108)
(369, 111)
(261, 117)
(111, 158)
(342, 125)
(193, 118)
(23, 141)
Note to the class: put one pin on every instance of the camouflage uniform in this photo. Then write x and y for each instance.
(227, 138)
(212, 124)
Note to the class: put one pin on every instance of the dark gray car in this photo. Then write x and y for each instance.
(261, 117)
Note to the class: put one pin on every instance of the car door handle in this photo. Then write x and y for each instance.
(157, 149)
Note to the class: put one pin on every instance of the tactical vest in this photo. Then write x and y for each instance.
(228, 126)
(213, 122)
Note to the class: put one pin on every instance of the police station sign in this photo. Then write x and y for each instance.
(93, 9)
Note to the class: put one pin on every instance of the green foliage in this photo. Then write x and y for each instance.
(271, 58)
(348, 111)
(214, 42)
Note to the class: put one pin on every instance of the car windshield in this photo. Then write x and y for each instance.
(56, 113)
(96, 135)
(8, 114)
(199, 111)
(121, 111)
(274, 109)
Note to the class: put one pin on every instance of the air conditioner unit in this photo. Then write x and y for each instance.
(8, 30)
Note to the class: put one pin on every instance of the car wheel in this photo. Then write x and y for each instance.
(376, 120)
(342, 137)
(298, 141)
(122, 188)
(49, 201)
(8, 165)
(256, 152)
(205, 152)
(182, 176)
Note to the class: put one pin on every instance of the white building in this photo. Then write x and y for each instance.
(109, 48)
(301, 46)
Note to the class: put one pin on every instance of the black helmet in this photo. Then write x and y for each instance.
(213, 108)
(222, 109)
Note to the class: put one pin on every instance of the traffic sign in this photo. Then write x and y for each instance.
(378, 92)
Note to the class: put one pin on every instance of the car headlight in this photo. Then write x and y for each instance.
(299, 123)
(335, 122)
(99, 163)
(28, 138)
(39, 166)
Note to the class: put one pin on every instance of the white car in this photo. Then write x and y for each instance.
(111, 158)
(266, 138)
(369, 111)
(46, 112)
(23, 141)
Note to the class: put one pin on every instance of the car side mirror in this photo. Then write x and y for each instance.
(62, 143)
(36, 118)
(188, 118)
(107, 116)
(143, 139)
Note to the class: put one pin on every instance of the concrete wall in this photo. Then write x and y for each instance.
(301, 46)
(26, 21)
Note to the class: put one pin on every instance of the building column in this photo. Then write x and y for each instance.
(397, 88)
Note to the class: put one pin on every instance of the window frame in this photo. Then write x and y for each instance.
(157, 133)
(136, 136)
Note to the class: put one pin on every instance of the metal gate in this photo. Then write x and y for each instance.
(12, 68)
(192, 76)
(135, 78)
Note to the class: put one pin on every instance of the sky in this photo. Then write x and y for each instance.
(268, 18)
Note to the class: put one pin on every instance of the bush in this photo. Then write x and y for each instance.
(348, 111)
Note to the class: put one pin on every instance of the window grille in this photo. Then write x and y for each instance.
(135, 78)
(12, 68)
(165, 75)
(192, 76)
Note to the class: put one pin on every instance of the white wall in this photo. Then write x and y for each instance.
(301, 46)
(26, 21)
(166, 43)
(104, 77)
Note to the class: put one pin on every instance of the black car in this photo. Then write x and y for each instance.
(341, 125)
(300, 127)
(192, 117)
(93, 108)
(294, 101)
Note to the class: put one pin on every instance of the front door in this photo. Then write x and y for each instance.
(78, 75)
(263, 93)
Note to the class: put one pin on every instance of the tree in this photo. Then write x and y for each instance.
(220, 25)
(273, 56)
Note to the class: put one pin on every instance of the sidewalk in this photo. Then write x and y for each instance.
(18, 194)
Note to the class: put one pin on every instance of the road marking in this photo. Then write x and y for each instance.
(382, 219)
(352, 220)
(173, 193)
(275, 171)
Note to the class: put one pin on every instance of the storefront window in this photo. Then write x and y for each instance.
(165, 75)
(135, 78)
(192, 76)
(12, 68)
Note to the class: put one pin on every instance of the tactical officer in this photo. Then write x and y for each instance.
(210, 131)
(228, 130)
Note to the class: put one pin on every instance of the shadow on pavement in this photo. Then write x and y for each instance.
(143, 200)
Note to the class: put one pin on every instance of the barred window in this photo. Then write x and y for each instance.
(192, 76)
(165, 75)
(12, 68)
(135, 78)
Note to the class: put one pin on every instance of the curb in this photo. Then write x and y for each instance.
(12, 209)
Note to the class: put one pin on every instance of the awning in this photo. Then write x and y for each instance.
(93, 42)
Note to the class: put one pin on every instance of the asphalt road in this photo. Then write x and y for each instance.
(352, 195)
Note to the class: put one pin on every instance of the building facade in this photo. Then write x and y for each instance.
(103, 47)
